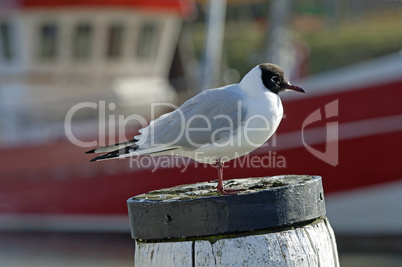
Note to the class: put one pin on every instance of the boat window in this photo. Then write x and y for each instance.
(82, 41)
(115, 38)
(147, 41)
(6, 52)
(48, 41)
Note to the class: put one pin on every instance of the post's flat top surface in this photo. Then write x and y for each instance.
(199, 210)
(208, 189)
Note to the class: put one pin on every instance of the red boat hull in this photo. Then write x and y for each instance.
(58, 180)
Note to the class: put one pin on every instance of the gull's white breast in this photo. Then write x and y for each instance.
(258, 125)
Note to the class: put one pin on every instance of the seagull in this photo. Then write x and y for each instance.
(215, 126)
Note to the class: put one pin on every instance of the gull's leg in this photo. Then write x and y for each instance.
(220, 180)
(219, 166)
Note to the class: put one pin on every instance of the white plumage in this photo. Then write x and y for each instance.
(216, 125)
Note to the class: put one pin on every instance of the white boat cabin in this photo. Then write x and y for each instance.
(54, 55)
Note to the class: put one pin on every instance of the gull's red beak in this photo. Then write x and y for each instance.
(294, 88)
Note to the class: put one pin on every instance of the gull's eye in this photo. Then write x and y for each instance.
(274, 79)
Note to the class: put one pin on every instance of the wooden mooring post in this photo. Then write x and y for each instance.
(277, 221)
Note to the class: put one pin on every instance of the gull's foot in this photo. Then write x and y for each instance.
(229, 191)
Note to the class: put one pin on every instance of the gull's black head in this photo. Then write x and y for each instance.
(273, 79)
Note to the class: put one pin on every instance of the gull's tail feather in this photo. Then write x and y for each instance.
(131, 151)
(113, 148)
(117, 153)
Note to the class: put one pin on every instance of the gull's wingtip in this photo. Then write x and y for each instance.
(90, 151)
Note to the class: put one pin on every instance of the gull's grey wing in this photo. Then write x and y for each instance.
(201, 120)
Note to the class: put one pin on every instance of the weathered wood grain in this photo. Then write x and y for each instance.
(277, 221)
(309, 245)
(167, 254)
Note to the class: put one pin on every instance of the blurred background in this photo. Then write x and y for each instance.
(73, 71)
